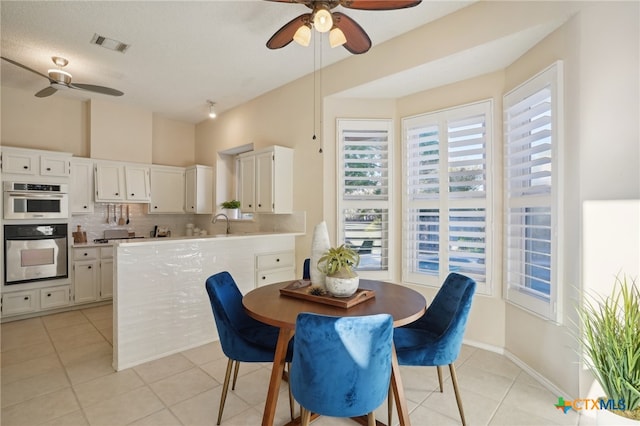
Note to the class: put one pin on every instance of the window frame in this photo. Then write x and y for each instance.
(382, 124)
(550, 78)
(447, 202)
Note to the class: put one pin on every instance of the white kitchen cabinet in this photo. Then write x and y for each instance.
(34, 300)
(106, 273)
(54, 166)
(247, 182)
(266, 180)
(167, 189)
(199, 189)
(274, 267)
(109, 183)
(22, 161)
(85, 274)
(118, 182)
(81, 187)
(19, 302)
(54, 297)
(93, 274)
(137, 183)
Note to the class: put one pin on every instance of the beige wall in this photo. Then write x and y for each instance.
(120, 131)
(55, 123)
(87, 129)
(173, 142)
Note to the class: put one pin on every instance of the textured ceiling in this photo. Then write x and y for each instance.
(182, 52)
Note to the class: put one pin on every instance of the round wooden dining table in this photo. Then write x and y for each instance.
(269, 305)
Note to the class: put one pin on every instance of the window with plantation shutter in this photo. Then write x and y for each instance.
(364, 185)
(533, 137)
(446, 195)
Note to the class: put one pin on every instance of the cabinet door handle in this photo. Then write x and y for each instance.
(132, 194)
(259, 205)
(89, 267)
(277, 260)
(26, 298)
(155, 207)
(117, 193)
(25, 167)
(84, 207)
(86, 254)
(48, 169)
(264, 278)
(48, 294)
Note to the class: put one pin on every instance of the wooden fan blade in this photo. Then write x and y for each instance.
(284, 35)
(47, 91)
(26, 68)
(379, 4)
(97, 89)
(357, 39)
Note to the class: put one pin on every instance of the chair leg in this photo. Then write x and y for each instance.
(305, 416)
(235, 375)
(439, 368)
(291, 402)
(389, 405)
(454, 380)
(371, 419)
(225, 388)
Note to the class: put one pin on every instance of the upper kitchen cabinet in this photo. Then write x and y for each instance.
(117, 182)
(167, 189)
(266, 180)
(81, 186)
(21, 161)
(199, 189)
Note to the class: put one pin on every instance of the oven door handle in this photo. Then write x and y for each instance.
(36, 195)
(36, 237)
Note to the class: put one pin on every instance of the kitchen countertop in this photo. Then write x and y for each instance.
(178, 238)
(139, 241)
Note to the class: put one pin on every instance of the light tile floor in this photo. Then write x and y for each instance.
(56, 370)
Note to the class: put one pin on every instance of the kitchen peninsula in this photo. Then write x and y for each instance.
(160, 305)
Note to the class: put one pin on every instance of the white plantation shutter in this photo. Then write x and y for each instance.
(364, 186)
(423, 158)
(447, 155)
(532, 117)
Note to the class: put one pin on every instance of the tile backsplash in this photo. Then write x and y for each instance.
(142, 223)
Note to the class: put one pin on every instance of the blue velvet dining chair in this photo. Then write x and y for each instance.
(242, 338)
(341, 366)
(435, 338)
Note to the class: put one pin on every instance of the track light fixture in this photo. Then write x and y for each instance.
(212, 111)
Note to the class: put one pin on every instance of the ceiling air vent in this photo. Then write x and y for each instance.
(109, 43)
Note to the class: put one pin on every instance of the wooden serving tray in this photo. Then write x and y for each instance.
(300, 289)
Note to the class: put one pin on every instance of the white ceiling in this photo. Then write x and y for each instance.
(185, 52)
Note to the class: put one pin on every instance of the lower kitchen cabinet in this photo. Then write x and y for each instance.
(274, 267)
(93, 274)
(34, 300)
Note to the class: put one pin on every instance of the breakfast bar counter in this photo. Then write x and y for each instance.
(160, 305)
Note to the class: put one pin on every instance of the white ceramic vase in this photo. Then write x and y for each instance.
(319, 244)
(342, 287)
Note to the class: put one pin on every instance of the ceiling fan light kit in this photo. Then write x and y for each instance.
(59, 79)
(302, 35)
(322, 20)
(343, 31)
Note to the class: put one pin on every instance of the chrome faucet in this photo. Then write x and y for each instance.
(215, 219)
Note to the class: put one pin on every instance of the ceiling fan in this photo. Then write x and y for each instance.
(60, 79)
(342, 29)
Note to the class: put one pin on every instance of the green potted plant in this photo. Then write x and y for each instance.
(610, 338)
(232, 208)
(338, 263)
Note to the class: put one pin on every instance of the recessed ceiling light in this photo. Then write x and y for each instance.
(109, 43)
